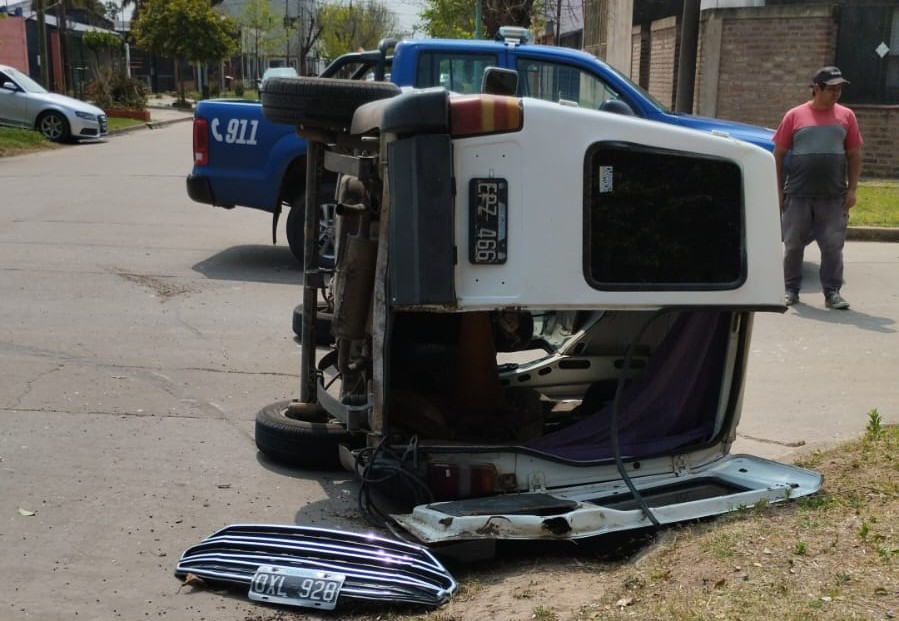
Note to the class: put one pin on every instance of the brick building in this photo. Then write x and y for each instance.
(755, 59)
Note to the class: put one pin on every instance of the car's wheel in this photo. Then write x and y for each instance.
(295, 230)
(323, 320)
(54, 126)
(319, 102)
(303, 435)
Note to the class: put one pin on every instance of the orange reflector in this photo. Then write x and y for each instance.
(476, 115)
(456, 481)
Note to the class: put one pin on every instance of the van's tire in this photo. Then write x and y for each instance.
(309, 441)
(323, 320)
(319, 102)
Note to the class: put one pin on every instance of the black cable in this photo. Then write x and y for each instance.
(619, 388)
(381, 466)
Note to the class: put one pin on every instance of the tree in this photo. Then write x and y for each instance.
(184, 30)
(450, 19)
(309, 30)
(354, 27)
(455, 18)
(262, 33)
(105, 46)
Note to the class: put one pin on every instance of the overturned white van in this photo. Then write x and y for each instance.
(539, 317)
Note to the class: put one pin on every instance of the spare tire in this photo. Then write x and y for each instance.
(319, 102)
(323, 321)
(305, 440)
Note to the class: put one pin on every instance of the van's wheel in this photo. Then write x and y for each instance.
(296, 228)
(323, 320)
(301, 435)
(319, 102)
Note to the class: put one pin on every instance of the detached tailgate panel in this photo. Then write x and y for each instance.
(729, 484)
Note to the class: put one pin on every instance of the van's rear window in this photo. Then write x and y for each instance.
(662, 220)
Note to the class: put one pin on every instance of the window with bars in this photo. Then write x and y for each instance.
(864, 30)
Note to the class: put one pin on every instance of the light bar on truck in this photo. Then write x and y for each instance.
(514, 34)
(477, 115)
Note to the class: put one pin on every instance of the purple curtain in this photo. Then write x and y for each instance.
(671, 405)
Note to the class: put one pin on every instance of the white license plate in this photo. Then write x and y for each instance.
(296, 586)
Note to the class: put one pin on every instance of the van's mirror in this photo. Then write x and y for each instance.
(499, 81)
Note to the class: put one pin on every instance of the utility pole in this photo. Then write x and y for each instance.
(286, 35)
(61, 28)
(477, 19)
(558, 37)
(43, 55)
(686, 61)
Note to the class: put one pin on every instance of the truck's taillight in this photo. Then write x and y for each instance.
(456, 481)
(201, 142)
(476, 115)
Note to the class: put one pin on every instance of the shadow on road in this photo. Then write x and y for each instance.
(811, 306)
(338, 510)
(872, 323)
(254, 263)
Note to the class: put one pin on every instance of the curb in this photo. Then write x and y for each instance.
(148, 125)
(872, 233)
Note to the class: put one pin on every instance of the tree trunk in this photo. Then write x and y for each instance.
(179, 82)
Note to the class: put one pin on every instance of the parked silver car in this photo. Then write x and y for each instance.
(25, 103)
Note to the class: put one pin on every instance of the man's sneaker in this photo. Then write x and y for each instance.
(791, 297)
(835, 300)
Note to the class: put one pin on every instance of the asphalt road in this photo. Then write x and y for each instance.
(141, 333)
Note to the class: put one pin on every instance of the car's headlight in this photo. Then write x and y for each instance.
(87, 116)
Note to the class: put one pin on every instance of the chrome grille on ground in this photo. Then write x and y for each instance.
(375, 568)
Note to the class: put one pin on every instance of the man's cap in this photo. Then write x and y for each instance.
(829, 76)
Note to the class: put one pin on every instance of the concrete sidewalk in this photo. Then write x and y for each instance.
(162, 113)
(165, 115)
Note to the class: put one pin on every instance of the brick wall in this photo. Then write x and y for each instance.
(879, 126)
(13, 46)
(663, 60)
(636, 52)
(756, 63)
(767, 57)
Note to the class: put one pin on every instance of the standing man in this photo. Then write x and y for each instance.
(817, 183)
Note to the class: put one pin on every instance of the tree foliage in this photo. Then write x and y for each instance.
(455, 19)
(107, 47)
(449, 19)
(184, 29)
(113, 89)
(309, 30)
(262, 33)
(354, 27)
(97, 41)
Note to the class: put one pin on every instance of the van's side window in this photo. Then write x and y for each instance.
(555, 81)
(662, 220)
(456, 72)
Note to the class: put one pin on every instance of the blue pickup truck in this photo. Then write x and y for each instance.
(243, 159)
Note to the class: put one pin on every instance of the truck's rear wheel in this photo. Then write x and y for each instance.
(319, 102)
(296, 226)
